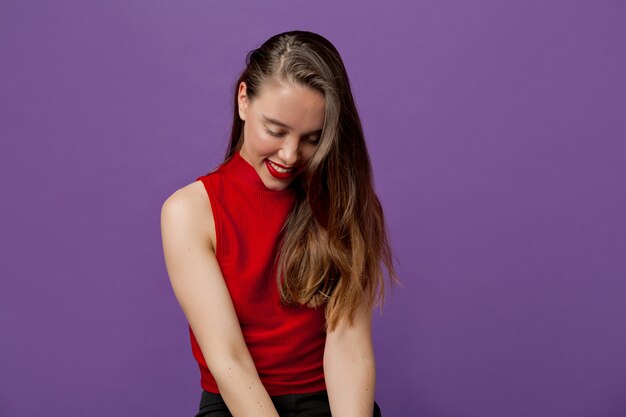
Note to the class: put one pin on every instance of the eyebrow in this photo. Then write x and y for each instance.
(279, 123)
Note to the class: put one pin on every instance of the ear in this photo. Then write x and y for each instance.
(242, 100)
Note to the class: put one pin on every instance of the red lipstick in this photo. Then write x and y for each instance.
(280, 175)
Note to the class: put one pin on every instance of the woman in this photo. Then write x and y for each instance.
(275, 256)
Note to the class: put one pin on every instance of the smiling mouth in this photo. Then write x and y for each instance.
(279, 172)
(280, 168)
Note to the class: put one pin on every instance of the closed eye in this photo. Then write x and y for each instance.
(313, 141)
(274, 133)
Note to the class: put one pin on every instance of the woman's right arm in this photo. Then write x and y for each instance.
(200, 290)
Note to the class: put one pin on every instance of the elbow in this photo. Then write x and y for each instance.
(361, 358)
(224, 362)
(228, 368)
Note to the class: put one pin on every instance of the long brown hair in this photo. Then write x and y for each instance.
(335, 238)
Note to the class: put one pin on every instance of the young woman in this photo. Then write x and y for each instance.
(275, 256)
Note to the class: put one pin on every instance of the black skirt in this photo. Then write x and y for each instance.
(314, 404)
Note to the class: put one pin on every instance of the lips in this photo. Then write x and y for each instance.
(273, 169)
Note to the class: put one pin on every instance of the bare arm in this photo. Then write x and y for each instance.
(200, 290)
(350, 368)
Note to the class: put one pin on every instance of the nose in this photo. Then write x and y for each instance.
(290, 151)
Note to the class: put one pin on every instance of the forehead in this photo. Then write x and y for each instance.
(301, 108)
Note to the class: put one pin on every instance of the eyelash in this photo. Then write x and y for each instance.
(274, 133)
(278, 135)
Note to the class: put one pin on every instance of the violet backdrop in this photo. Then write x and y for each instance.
(496, 131)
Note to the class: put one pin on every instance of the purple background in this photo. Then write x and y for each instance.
(496, 131)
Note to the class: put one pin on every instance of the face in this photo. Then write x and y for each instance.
(283, 125)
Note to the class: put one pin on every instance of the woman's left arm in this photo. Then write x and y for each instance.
(350, 368)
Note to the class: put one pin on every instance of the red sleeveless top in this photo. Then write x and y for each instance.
(285, 342)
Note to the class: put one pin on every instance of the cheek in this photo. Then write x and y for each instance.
(307, 153)
(257, 138)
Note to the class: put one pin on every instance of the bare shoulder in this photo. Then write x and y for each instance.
(189, 207)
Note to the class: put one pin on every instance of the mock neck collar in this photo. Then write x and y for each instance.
(247, 175)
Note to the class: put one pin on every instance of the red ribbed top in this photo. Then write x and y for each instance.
(285, 342)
